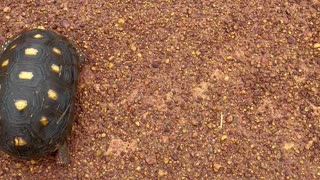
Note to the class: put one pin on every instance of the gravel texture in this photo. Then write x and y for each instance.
(184, 89)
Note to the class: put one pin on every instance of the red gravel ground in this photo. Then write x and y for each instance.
(185, 89)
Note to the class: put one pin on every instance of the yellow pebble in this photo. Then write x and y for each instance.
(162, 173)
(223, 137)
(103, 135)
(6, 9)
(33, 161)
(229, 58)
(166, 160)
(288, 146)
(216, 167)
(121, 21)
(316, 45)
(133, 47)
(110, 65)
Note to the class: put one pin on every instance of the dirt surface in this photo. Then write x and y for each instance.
(185, 89)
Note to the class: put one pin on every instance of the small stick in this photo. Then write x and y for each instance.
(221, 120)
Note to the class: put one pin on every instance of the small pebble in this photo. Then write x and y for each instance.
(230, 119)
(195, 122)
(316, 45)
(166, 160)
(309, 144)
(216, 167)
(98, 153)
(288, 146)
(133, 47)
(33, 161)
(162, 173)
(165, 139)
(65, 24)
(291, 40)
(151, 160)
(229, 58)
(110, 65)
(18, 165)
(195, 53)
(121, 21)
(6, 9)
(103, 135)
(155, 65)
(223, 137)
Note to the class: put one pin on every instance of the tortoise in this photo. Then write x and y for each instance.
(39, 72)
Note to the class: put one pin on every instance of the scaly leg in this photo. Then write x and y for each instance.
(63, 154)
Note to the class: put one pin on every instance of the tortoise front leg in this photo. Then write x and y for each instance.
(63, 154)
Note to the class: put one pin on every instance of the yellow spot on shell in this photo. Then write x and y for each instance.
(21, 104)
(19, 141)
(25, 75)
(55, 68)
(31, 51)
(44, 121)
(5, 63)
(14, 46)
(38, 36)
(52, 94)
(56, 50)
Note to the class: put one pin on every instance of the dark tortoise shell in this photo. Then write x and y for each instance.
(39, 70)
